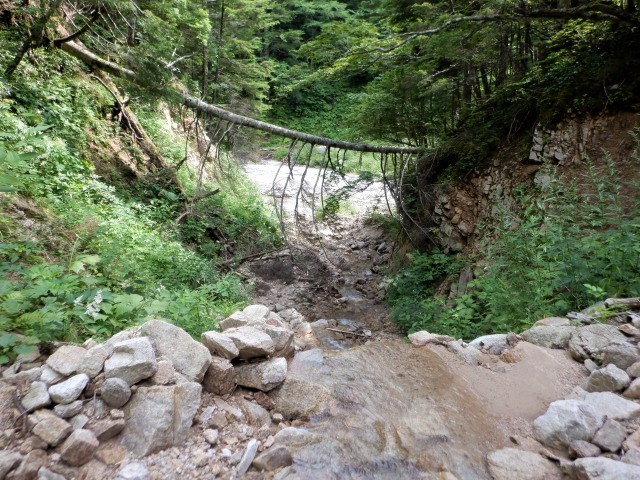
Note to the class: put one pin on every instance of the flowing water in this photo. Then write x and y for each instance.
(395, 412)
(399, 412)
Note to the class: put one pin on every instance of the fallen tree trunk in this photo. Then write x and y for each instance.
(234, 118)
(94, 61)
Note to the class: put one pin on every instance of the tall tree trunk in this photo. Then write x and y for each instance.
(216, 76)
(35, 37)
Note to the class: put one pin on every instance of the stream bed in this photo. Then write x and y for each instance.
(378, 407)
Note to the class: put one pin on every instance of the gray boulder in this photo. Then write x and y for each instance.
(467, 353)
(79, 447)
(49, 376)
(282, 340)
(68, 410)
(622, 355)
(514, 464)
(220, 344)
(52, 430)
(159, 417)
(263, 376)
(190, 358)
(613, 406)
(36, 397)
(8, 461)
(166, 373)
(634, 370)
(133, 471)
(494, 344)
(553, 322)
(220, 378)
(300, 398)
(251, 342)
(566, 421)
(296, 437)
(607, 379)
(610, 436)
(631, 456)
(256, 313)
(633, 391)
(422, 338)
(93, 360)
(235, 320)
(601, 468)
(549, 336)
(69, 390)
(66, 359)
(589, 341)
(580, 448)
(132, 360)
(276, 457)
(107, 428)
(115, 392)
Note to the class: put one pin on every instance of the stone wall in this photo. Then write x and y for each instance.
(458, 209)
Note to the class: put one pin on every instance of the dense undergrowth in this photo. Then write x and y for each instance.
(81, 257)
(563, 246)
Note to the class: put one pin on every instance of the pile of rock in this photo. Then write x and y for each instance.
(595, 432)
(68, 415)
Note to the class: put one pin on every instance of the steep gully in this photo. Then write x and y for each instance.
(395, 411)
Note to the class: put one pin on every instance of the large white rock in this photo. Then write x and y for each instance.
(494, 344)
(52, 429)
(66, 359)
(423, 337)
(549, 336)
(590, 341)
(514, 464)
(8, 461)
(235, 320)
(115, 392)
(220, 378)
(601, 468)
(256, 313)
(79, 447)
(621, 355)
(36, 397)
(160, 417)
(251, 342)
(69, 390)
(263, 376)
(607, 379)
(300, 398)
(132, 360)
(93, 360)
(566, 421)
(220, 344)
(613, 406)
(189, 357)
(282, 339)
(610, 436)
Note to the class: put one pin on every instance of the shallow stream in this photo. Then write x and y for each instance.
(394, 411)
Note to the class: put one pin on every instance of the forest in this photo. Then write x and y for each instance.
(89, 245)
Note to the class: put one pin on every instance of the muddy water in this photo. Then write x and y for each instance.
(396, 412)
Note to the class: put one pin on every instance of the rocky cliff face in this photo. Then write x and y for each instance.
(455, 210)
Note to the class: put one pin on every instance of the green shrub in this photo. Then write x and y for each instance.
(560, 248)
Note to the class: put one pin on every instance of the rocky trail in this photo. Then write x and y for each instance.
(313, 382)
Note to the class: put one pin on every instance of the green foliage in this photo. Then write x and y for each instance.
(559, 248)
(92, 259)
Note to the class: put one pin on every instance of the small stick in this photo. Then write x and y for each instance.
(345, 331)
